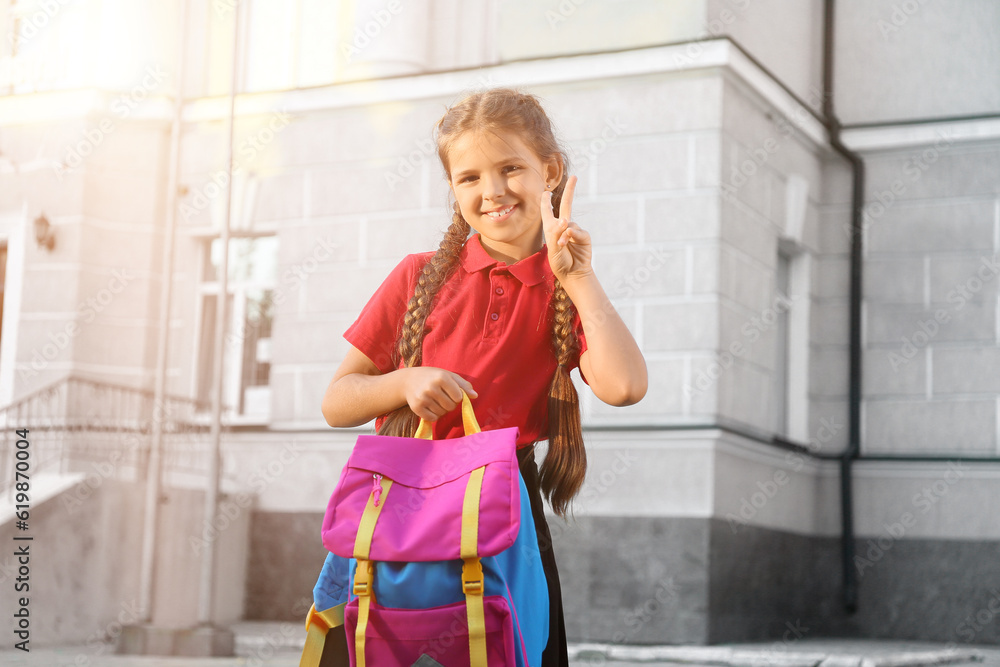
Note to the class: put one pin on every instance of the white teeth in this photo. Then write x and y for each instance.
(500, 214)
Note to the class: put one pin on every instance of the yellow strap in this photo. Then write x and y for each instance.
(469, 416)
(364, 570)
(359, 637)
(366, 528)
(318, 624)
(469, 421)
(470, 514)
(472, 569)
(424, 431)
(477, 626)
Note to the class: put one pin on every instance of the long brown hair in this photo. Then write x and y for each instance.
(503, 109)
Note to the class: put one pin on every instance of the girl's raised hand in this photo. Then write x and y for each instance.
(568, 245)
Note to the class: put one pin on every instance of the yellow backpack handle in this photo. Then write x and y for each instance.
(425, 428)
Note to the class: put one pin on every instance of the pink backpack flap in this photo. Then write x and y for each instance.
(422, 517)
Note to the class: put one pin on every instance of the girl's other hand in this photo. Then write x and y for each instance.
(434, 392)
(568, 245)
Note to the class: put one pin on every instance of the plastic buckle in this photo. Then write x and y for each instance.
(363, 578)
(317, 619)
(311, 616)
(472, 577)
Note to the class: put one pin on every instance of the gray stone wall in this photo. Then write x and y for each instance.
(914, 59)
(932, 234)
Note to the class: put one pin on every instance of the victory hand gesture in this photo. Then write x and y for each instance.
(568, 245)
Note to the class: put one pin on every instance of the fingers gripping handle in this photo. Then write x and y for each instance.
(425, 429)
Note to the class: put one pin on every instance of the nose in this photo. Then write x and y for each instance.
(493, 186)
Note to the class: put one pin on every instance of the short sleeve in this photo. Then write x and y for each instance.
(376, 329)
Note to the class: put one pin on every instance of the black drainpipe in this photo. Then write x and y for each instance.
(850, 585)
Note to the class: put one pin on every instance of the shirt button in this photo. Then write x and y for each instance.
(499, 290)
(494, 316)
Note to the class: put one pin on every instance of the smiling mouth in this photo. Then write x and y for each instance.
(502, 213)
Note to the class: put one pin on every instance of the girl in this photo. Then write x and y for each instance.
(503, 315)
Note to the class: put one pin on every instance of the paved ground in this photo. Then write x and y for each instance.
(278, 645)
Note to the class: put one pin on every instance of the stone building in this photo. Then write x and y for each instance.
(736, 159)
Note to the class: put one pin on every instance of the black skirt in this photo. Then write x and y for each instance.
(555, 654)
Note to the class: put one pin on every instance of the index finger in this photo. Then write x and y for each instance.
(466, 386)
(566, 203)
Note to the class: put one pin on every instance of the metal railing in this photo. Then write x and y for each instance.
(81, 425)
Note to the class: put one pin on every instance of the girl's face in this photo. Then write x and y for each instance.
(498, 182)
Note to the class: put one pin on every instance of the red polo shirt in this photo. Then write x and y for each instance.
(491, 323)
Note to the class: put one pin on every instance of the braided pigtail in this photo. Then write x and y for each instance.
(402, 421)
(561, 474)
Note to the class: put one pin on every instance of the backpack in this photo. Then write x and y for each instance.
(433, 553)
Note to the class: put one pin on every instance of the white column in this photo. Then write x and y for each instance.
(388, 38)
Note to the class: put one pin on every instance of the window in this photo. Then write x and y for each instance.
(246, 393)
(790, 381)
(782, 305)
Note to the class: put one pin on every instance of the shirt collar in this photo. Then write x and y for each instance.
(530, 270)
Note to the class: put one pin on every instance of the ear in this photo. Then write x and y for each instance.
(553, 170)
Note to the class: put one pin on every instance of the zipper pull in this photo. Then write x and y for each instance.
(377, 487)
